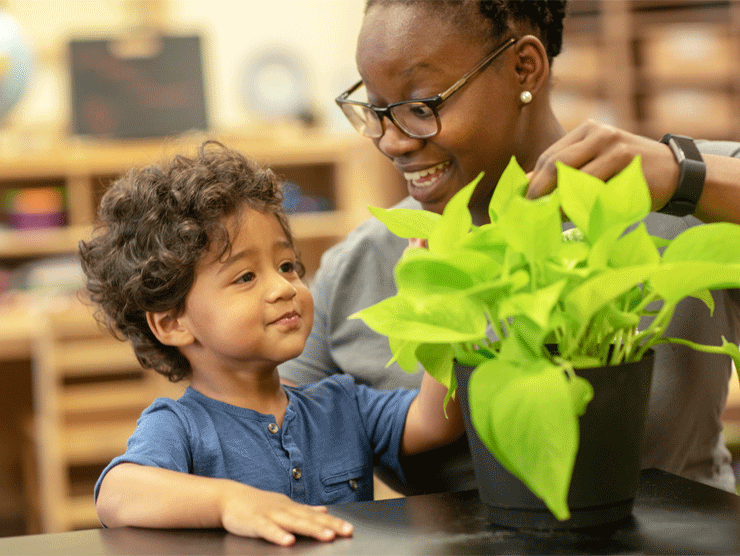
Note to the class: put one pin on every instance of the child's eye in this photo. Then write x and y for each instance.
(287, 267)
(246, 277)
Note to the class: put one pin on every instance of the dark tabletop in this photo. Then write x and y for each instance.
(672, 515)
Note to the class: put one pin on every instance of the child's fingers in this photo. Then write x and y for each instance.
(262, 527)
(313, 522)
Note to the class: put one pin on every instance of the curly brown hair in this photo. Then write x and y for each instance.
(155, 224)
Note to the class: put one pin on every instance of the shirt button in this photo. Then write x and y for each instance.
(353, 484)
(273, 428)
(296, 473)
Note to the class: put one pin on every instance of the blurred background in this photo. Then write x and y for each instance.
(91, 88)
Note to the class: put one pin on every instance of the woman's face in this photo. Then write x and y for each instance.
(410, 52)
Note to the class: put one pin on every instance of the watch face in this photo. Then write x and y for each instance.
(275, 86)
(687, 147)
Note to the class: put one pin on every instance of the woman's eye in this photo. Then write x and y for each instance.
(246, 277)
(287, 267)
(420, 110)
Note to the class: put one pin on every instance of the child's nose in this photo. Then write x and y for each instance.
(281, 288)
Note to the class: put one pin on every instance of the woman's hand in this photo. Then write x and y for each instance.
(603, 151)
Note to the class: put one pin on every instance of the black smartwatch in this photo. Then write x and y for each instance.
(691, 174)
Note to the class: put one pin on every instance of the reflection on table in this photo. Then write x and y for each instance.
(672, 515)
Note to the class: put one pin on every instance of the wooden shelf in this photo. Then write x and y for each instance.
(30, 244)
(652, 66)
(348, 173)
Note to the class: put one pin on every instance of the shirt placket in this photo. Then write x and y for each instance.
(296, 462)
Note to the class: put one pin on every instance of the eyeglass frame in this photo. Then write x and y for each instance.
(433, 103)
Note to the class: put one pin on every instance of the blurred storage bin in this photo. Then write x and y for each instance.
(682, 51)
(34, 208)
(694, 112)
(579, 62)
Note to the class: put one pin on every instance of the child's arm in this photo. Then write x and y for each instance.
(138, 495)
(426, 425)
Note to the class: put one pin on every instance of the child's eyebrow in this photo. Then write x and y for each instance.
(251, 252)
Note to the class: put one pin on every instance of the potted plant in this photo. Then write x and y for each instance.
(540, 316)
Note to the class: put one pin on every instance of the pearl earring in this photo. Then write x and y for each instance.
(525, 97)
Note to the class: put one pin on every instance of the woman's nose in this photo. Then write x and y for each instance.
(394, 142)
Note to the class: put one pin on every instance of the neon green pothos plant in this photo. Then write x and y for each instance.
(493, 296)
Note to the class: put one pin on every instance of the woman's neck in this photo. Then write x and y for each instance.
(530, 145)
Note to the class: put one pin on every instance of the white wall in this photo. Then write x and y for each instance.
(320, 33)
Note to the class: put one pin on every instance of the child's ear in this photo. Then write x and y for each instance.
(169, 329)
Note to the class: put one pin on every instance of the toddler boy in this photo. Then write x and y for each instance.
(194, 263)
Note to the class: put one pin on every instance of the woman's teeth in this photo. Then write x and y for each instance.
(417, 178)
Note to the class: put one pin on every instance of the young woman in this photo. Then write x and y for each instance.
(450, 89)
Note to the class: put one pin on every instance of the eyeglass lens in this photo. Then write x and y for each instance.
(413, 118)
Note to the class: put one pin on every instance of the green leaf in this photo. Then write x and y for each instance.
(708, 242)
(587, 298)
(536, 305)
(433, 319)
(526, 418)
(706, 297)
(470, 357)
(407, 223)
(578, 192)
(617, 318)
(533, 227)
(675, 280)
(456, 220)
(581, 393)
(635, 248)
(422, 273)
(623, 201)
(512, 183)
(437, 360)
(404, 353)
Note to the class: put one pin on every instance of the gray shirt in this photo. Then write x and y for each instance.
(689, 389)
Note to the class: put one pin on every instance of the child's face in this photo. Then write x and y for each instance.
(248, 310)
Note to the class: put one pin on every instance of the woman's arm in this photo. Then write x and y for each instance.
(427, 427)
(603, 151)
(720, 198)
(137, 495)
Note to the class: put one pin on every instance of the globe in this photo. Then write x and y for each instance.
(16, 62)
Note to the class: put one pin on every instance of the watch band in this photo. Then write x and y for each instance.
(691, 174)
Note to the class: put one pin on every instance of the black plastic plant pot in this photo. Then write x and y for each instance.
(607, 467)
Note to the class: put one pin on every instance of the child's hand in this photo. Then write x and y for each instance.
(275, 517)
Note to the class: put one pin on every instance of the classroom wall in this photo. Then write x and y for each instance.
(320, 34)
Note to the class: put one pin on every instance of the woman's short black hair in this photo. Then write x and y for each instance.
(543, 16)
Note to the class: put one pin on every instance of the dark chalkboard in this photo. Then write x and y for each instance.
(124, 92)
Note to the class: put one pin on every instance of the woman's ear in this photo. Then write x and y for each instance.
(169, 329)
(532, 66)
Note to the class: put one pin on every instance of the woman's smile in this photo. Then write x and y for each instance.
(428, 185)
(426, 177)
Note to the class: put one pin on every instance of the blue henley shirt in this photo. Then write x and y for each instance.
(334, 432)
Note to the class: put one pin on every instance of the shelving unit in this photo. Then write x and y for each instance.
(349, 173)
(652, 66)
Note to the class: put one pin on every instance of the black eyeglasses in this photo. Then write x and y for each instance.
(418, 119)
